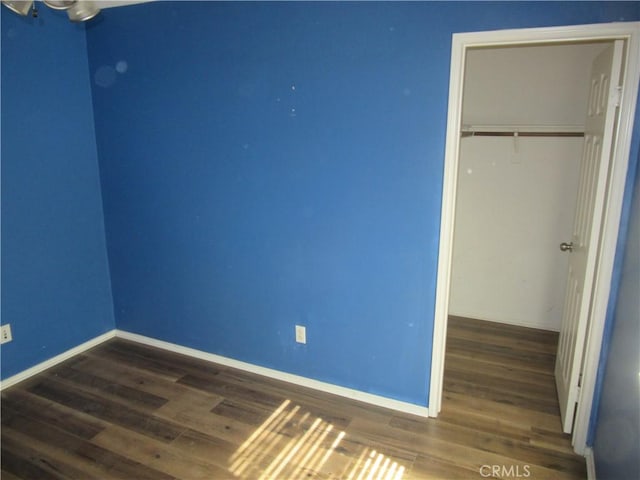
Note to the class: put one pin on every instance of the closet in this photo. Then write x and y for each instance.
(522, 136)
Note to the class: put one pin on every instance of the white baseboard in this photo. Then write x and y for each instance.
(591, 464)
(365, 397)
(41, 367)
(487, 318)
(372, 399)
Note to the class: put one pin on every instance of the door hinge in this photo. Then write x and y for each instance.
(618, 96)
(579, 386)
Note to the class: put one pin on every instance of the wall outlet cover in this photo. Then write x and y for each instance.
(5, 333)
(301, 334)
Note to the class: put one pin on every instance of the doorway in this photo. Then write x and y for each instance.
(523, 114)
(462, 44)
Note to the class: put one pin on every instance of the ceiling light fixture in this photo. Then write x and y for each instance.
(57, 5)
(77, 10)
(20, 7)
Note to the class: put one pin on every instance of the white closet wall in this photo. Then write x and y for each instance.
(516, 197)
(541, 85)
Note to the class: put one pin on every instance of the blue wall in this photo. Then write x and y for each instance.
(616, 444)
(270, 164)
(55, 280)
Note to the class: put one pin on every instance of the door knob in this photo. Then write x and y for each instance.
(566, 247)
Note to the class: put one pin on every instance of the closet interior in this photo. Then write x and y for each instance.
(521, 141)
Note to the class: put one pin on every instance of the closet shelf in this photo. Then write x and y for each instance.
(522, 131)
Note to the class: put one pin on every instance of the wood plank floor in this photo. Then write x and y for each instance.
(127, 411)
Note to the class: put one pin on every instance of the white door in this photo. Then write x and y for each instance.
(583, 246)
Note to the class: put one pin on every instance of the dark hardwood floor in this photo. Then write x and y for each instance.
(128, 411)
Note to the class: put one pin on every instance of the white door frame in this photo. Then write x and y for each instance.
(628, 31)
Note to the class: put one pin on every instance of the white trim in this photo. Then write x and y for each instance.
(591, 464)
(372, 399)
(536, 326)
(41, 367)
(447, 221)
(365, 397)
(628, 31)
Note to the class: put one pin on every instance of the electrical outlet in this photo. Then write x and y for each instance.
(5, 333)
(301, 334)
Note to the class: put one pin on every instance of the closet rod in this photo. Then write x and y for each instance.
(521, 134)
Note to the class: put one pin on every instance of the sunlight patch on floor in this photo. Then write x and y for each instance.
(373, 465)
(293, 443)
